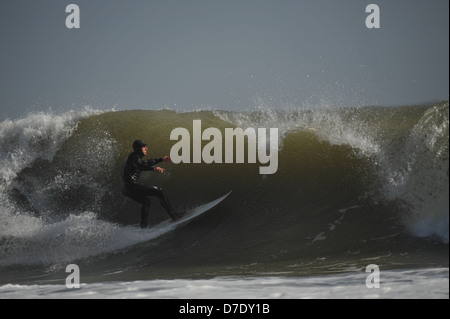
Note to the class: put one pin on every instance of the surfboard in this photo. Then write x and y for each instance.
(190, 215)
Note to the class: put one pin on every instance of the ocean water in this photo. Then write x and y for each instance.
(354, 186)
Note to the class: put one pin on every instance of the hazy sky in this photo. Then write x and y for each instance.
(222, 54)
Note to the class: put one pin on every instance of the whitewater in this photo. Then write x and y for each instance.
(355, 186)
(407, 284)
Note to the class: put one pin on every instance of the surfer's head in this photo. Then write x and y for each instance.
(140, 147)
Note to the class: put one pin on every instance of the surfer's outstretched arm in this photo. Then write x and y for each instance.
(164, 159)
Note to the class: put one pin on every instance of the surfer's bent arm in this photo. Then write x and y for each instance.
(147, 165)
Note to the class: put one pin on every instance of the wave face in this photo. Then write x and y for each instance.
(353, 185)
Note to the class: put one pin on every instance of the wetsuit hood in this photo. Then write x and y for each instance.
(138, 145)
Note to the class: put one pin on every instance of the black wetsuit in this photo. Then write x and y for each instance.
(131, 187)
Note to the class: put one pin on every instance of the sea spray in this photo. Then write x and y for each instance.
(418, 174)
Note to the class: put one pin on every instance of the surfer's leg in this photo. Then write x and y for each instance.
(164, 201)
(166, 204)
(144, 212)
(136, 195)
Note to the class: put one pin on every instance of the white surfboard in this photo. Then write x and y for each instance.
(190, 215)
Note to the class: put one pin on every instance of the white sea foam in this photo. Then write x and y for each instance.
(37, 239)
(39, 135)
(394, 284)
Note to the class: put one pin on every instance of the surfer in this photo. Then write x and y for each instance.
(131, 187)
